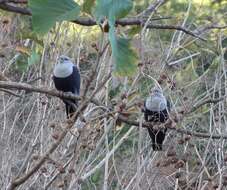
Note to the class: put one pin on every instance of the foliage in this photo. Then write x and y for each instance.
(124, 56)
(46, 12)
(112, 9)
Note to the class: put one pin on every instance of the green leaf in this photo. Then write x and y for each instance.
(112, 9)
(125, 58)
(45, 13)
(87, 6)
(34, 58)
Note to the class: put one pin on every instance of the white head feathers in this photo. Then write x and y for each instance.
(64, 67)
(156, 101)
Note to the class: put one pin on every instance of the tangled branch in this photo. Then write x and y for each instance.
(44, 90)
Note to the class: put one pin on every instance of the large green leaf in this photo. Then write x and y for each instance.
(125, 58)
(112, 9)
(46, 12)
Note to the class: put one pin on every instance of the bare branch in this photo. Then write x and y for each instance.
(15, 9)
(27, 87)
(153, 7)
(10, 92)
(209, 101)
(68, 126)
(22, 86)
(18, 1)
(167, 125)
(91, 22)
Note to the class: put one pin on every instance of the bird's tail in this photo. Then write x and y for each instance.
(71, 107)
(156, 146)
(157, 137)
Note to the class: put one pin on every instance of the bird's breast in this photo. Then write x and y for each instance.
(63, 70)
(156, 104)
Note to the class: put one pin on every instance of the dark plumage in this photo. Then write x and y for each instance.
(156, 109)
(67, 79)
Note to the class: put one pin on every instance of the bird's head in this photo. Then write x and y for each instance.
(156, 91)
(62, 59)
(64, 67)
(156, 101)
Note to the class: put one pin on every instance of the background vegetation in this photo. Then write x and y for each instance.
(180, 44)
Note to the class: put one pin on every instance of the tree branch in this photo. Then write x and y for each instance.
(43, 90)
(18, 1)
(167, 125)
(153, 7)
(27, 87)
(208, 101)
(91, 22)
(15, 9)
(10, 92)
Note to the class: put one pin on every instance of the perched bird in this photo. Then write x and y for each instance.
(156, 109)
(67, 79)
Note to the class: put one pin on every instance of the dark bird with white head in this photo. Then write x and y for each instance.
(156, 109)
(67, 79)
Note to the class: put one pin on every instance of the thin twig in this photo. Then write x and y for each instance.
(10, 92)
(23, 86)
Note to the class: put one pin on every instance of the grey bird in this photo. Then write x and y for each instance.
(156, 109)
(66, 77)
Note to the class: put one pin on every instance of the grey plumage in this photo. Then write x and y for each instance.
(156, 109)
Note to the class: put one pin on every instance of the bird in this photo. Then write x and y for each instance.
(156, 109)
(66, 77)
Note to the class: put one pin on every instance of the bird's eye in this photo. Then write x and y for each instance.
(66, 59)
